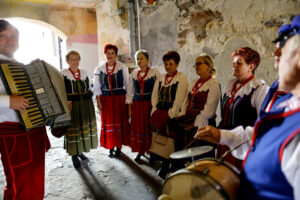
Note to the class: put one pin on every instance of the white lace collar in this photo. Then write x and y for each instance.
(246, 89)
(66, 72)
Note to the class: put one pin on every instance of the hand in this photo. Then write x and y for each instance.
(99, 103)
(70, 105)
(18, 103)
(129, 111)
(209, 134)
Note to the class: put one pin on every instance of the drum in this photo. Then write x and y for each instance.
(204, 179)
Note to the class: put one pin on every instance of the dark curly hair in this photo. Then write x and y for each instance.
(111, 46)
(171, 55)
(251, 56)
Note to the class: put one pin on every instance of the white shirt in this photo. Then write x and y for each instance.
(6, 114)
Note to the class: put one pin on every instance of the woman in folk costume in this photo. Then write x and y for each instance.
(138, 97)
(81, 136)
(111, 80)
(200, 105)
(168, 94)
(243, 97)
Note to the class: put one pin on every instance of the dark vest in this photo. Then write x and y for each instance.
(117, 83)
(239, 113)
(78, 90)
(148, 87)
(166, 96)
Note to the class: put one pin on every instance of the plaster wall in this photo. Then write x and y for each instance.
(77, 25)
(215, 27)
(113, 26)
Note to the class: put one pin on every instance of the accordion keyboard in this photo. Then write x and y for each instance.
(18, 84)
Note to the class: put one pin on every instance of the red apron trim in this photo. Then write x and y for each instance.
(257, 124)
(286, 142)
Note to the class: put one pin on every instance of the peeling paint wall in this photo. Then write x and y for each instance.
(216, 27)
(113, 26)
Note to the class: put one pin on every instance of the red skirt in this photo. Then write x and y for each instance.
(221, 149)
(140, 136)
(114, 122)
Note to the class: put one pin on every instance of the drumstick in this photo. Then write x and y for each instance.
(229, 151)
(189, 144)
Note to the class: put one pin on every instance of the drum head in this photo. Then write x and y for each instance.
(188, 185)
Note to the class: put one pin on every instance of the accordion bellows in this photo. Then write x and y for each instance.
(43, 86)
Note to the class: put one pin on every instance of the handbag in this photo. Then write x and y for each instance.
(159, 119)
(162, 145)
(59, 131)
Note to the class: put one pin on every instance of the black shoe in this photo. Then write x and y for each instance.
(111, 153)
(162, 173)
(75, 161)
(118, 152)
(151, 160)
(83, 157)
(137, 158)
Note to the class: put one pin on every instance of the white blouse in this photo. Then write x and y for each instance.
(102, 68)
(210, 107)
(258, 95)
(6, 114)
(180, 93)
(153, 72)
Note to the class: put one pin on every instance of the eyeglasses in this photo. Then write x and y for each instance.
(199, 63)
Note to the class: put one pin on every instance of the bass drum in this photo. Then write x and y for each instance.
(204, 179)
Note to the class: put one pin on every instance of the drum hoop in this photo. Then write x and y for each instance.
(227, 164)
(212, 182)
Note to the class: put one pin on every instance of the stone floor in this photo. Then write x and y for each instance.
(101, 178)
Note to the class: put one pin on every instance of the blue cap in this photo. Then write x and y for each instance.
(288, 30)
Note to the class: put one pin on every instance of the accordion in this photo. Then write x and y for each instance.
(44, 87)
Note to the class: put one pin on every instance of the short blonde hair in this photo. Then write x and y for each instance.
(210, 62)
(143, 52)
(73, 52)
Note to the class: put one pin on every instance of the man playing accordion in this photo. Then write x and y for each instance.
(22, 153)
